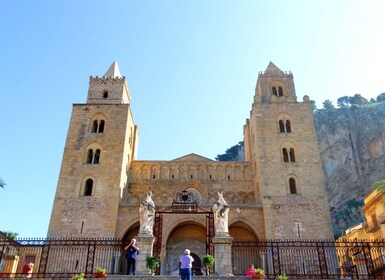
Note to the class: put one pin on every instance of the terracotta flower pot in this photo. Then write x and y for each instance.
(258, 276)
(100, 275)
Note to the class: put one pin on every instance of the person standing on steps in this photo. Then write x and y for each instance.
(186, 261)
(131, 253)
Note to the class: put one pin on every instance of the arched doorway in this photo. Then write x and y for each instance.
(243, 254)
(131, 233)
(241, 231)
(188, 235)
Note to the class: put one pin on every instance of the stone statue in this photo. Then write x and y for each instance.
(221, 218)
(147, 215)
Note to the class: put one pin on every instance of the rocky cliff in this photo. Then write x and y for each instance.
(352, 147)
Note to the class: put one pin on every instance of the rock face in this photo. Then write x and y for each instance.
(352, 147)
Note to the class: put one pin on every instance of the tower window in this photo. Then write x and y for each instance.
(105, 94)
(94, 126)
(292, 186)
(101, 127)
(153, 176)
(172, 176)
(90, 156)
(228, 177)
(280, 91)
(97, 126)
(191, 176)
(93, 157)
(281, 126)
(288, 126)
(292, 157)
(210, 177)
(97, 156)
(274, 89)
(88, 187)
(285, 155)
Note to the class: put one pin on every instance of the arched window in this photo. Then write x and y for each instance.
(285, 155)
(101, 127)
(274, 89)
(97, 156)
(97, 126)
(288, 126)
(94, 126)
(292, 186)
(88, 187)
(105, 94)
(280, 91)
(90, 156)
(292, 157)
(281, 126)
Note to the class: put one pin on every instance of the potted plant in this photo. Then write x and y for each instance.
(259, 274)
(282, 277)
(100, 272)
(152, 263)
(78, 276)
(208, 261)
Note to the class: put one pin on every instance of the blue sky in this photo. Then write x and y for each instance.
(191, 67)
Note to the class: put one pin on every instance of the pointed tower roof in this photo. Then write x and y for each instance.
(272, 69)
(113, 71)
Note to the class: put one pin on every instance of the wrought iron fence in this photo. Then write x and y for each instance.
(61, 257)
(314, 259)
(311, 259)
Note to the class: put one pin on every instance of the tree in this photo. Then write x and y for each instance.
(231, 154)
(327, 104)
(10, 234)
(343, 102)
(2, 184)
(358, 99)
(381, 97)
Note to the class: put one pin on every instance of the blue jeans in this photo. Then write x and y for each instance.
(131, 262)
(186, 274)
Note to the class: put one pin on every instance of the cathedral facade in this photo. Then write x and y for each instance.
(278, 192)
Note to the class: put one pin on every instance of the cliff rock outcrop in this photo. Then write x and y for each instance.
(352, 147)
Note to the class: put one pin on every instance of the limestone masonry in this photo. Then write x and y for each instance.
(278, 192)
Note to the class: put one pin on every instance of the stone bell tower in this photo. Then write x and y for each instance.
(101, 143)
(281, 144)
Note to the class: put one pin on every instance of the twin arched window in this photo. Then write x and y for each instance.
(288, 155)
(277, 91)
(97, 126)
(284, 126)
(93, 157)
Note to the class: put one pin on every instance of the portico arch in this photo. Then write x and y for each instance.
(241, 231)
(187, 235)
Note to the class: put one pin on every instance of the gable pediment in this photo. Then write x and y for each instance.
(192, 157)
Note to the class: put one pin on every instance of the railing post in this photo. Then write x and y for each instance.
(368, 257)
(90, 258)
(322, 260)
(44, 259)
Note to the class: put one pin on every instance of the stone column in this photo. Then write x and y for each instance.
(222, 246)
(145, 243)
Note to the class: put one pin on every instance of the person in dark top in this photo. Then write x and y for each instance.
(131, 253)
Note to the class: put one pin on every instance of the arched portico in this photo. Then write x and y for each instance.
(182, 226)
(187, 235)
